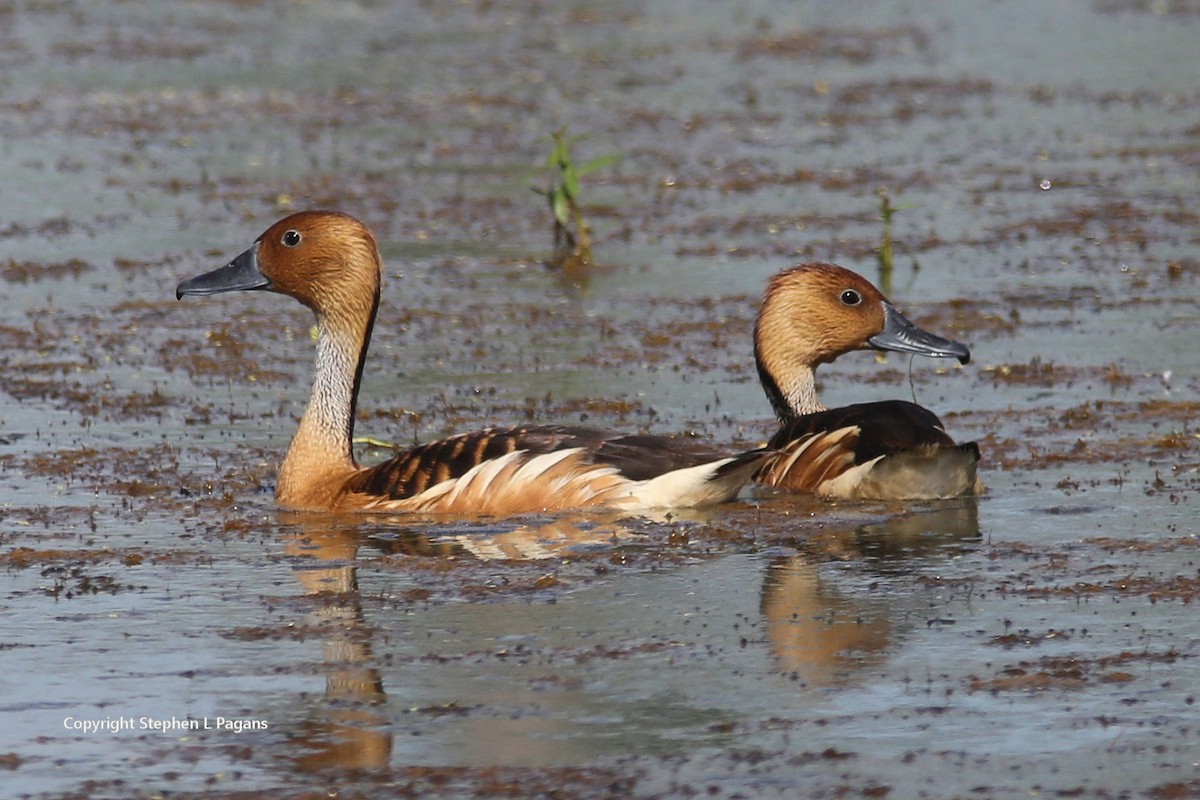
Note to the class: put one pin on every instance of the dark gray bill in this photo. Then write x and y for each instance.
(238, 275)
(902, 336)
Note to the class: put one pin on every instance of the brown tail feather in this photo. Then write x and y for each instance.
(806, 463)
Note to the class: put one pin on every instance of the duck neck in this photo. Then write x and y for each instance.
(793, 396)
(787, 373)
(322, 449)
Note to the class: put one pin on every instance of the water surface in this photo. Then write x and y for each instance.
(1038, 640)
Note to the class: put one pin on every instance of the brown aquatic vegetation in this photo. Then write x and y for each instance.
(825, 43)
(1070, 673)
(28, 272)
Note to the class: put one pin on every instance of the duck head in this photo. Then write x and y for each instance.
(327, 260)
(813, 313)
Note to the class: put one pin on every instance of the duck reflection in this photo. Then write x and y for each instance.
(824, 637)
(352, 735)
(353, 729)
(816, 626)
(552, 539)
(354, 732)
(535, 540)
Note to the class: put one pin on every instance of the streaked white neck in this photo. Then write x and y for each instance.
(327, 419)
(800, 391)
(321, 448)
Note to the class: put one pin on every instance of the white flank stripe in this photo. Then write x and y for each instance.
(693, 486)
(844, 485)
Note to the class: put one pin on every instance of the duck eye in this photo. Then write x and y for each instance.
(291, 238)
(851, 298)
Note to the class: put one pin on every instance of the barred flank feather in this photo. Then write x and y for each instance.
(522, 482)
(635, 457)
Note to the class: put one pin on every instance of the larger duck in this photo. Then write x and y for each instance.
(892, 449)
(330, 263)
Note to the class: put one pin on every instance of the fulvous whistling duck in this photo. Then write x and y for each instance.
(893, 449)
(330, 263)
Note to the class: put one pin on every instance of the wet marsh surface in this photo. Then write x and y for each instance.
(1040, 640)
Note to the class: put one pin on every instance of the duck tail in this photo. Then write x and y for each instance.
(706, 484)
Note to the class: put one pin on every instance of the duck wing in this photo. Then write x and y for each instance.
(884, 427)
(635, 457)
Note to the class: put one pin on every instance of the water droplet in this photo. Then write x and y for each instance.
(1044, 185)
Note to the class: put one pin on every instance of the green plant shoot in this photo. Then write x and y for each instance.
(571, 239)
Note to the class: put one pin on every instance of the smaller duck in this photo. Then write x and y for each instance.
(892, 450)
(330, 263)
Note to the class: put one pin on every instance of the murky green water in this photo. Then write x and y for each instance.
(1038, 641)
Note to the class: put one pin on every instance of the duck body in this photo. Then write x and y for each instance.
(551, 468)
(329, 262)
(892, 449)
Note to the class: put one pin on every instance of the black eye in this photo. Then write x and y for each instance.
(850, 298)
(291, 238)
